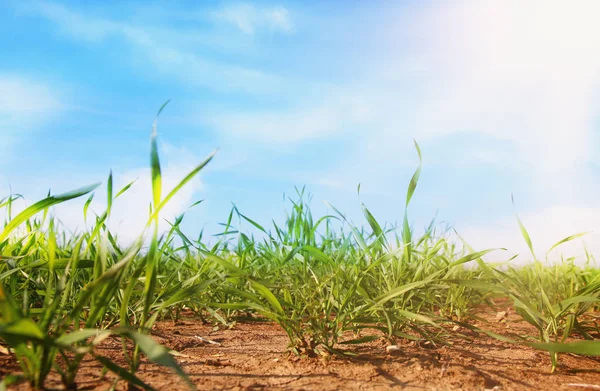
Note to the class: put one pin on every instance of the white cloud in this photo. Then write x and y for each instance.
(249, 19)
(280, 128)
(329, 182)
(279, 18)
(334, 114)
(525, 72)
(172, 51)
(75, 24)
(528, 73)
(23, 99)
(131, 210)
(25, 103)
(188, 67)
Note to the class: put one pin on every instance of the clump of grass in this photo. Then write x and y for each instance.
(327, 282)
(57, 301)
(318, 285)
(552, 298)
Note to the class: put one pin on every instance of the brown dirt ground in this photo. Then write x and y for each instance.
(253, 356)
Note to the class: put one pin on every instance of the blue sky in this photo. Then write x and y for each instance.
(502, 96)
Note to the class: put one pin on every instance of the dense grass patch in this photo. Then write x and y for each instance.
(320, 279)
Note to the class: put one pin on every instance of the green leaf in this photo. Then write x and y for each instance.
(473, 256)
(587, 348)
(125, 188)
(81, 335)
(9, 309)
(268, 295)
(11, 380)
(195, 203)
(158, 354)
(380, 300)
(86, 206)
(227, 265)
(254, 223)
(42, 205)
(524, 232)
(155, 162)
(189, 177)
(316, 253)
(415, 178)
(155, 171)
(123, 373)
(577, 300)
(365, 339)
(379, 234)
(418, 317)
(568, 239)
(109, 193)
(21, 329)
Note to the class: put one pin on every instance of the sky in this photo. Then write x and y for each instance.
(503, 98)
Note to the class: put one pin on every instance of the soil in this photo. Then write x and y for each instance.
(254, 356)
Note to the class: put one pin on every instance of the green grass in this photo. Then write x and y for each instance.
(321, 279)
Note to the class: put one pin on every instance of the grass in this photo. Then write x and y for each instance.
(62, 294)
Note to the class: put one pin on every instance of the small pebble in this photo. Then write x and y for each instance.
(392, 349)
(500, 316)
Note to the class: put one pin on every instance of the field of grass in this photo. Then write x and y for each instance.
(320, 279)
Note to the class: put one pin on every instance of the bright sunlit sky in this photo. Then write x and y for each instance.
(502, 96)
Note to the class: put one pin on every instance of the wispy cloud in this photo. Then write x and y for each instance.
(131, 210)
(328, 182)
(74, 24)
(504, 71)
(333, 113)
(172, 51)
(25, 96)
(509, 72)
(25, 102)
(249, 19)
